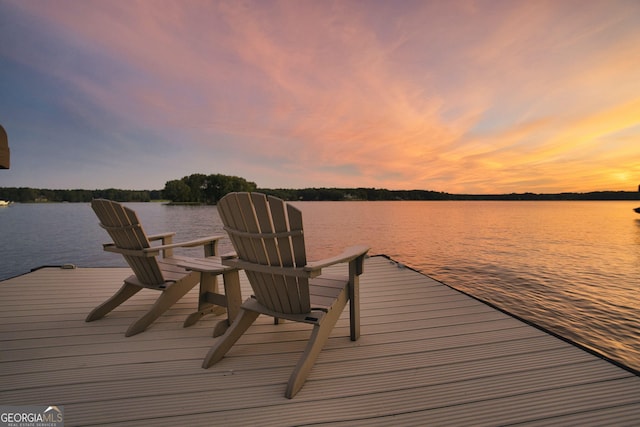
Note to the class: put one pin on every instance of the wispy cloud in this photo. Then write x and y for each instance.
(467, 96)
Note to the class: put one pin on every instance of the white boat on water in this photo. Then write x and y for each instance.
(4, 203)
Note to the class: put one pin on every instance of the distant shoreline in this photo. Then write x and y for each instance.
(361, 194)
(31, 195)
(595, 195)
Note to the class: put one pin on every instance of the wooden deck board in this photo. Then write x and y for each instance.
(428, 355)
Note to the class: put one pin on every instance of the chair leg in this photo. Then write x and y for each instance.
(124, 293)
(221, 327)
(167, 298)
(193, 318)
(318, 339)
(354, 308)
(233, 302)
(225, 342)
(208, 285)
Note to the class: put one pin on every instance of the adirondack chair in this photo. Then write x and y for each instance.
(166, 273)
(268, 238)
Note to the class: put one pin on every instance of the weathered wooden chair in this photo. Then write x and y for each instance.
(267, 235)
(166, 273)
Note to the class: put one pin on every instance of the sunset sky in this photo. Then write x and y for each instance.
(477, 97)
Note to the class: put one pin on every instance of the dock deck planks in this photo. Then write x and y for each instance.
(428, 355)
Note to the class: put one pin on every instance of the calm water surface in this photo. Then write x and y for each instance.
(571, 267)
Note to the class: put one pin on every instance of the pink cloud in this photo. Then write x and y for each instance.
(365, 94)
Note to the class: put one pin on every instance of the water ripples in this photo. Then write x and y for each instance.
(570, 267)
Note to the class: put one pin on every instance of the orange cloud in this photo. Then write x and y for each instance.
(450, 96)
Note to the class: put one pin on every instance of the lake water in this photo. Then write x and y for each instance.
(571, 267)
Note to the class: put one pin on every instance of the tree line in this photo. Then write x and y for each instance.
(31, 195)
(208, 189)
(375, 194)
(343, 194)
(196, 188)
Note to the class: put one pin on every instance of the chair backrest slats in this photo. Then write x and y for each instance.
(234, 217)
(299, 252)
(125, 230)
(277, 284)
(286, 217)
(266, 231)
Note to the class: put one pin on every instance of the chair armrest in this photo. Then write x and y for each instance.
(161, 236)
(347, 255)
(312, 269)
(111, 247)
(210, 244)
(229, 255)
(259, 268)
(188, 244)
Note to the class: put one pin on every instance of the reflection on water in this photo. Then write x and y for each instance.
(572, 267)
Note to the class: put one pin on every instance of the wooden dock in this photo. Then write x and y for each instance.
(428, 355)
